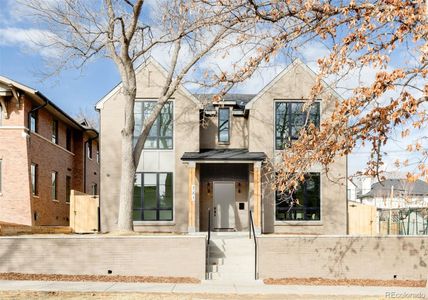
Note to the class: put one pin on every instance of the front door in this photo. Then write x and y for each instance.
(224, 205)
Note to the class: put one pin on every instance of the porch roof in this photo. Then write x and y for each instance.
(224, 155)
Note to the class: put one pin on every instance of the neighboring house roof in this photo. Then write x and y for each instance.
(157, 65)
(38, 95)
(224, 154)
(401, 187)
(240, 99)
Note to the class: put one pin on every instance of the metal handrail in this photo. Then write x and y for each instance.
(255, 243)
(208, 246)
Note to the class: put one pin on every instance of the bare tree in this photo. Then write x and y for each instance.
(127, 33)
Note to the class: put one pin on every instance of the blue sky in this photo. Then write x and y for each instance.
(74, 90)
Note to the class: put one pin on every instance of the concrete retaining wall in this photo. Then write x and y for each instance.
(340, 257)
(94, 255)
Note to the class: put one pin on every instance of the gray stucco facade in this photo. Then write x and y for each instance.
(197, 179)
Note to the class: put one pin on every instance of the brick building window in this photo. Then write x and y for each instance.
(94, 189)
(89, 148)
(54, 138)
(68, 139)
(54, 189)
(32, 121)
(34, 179)
(98, 154)
(67, 188)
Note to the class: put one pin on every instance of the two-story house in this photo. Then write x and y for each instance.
(44, 154)
(200, 159)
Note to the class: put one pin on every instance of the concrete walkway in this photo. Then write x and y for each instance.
(210, 287)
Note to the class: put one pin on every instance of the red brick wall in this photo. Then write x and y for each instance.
(15, 193)
(49, 157)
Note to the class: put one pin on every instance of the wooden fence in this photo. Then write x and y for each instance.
(84, 212)
(362, 219)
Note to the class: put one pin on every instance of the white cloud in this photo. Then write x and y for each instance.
(28, 40)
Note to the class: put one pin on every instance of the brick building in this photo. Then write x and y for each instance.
(44, 153)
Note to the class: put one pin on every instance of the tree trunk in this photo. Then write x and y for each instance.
(128, 169)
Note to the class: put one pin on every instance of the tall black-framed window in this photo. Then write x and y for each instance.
(290, 119)
(223, 125)
(304, 204)
(153, 197)
(54, 137)
(161, 133)
(33, 121)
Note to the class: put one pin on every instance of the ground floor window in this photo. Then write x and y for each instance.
(303, 204)
(153, 197)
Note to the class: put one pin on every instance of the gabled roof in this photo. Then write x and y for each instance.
(399, 187)
(40, 97)
(142, 66)
(296, 62)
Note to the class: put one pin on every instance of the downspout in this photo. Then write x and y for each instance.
(38, 107)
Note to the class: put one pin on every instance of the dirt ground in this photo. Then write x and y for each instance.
(97, 278)
(359, 282)
(160, 296)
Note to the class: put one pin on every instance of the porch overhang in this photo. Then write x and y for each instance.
(224, 155)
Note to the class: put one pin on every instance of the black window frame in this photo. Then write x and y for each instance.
(303, 208)
(33, 115)
(219, 127)
(54, 129)
(158, 136)
(158, 208)
(68, 139)
(280, 141)
(54, 186)
(34, 174)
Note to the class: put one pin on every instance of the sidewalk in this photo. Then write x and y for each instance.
(207, 287)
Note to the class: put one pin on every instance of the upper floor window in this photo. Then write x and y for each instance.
(54, 137)
(89, 148)
(223, 125)
(33, 120)
(34, 179)
(290, 119)
(303, 204)
(68, 139)
(161, 133)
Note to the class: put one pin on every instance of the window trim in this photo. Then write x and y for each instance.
(302, 222)
(54, 132)
(35, 115)
(157, 209)
(228, 126)
(35, 186)
(54, 188)
(276, 101)
(157, 121)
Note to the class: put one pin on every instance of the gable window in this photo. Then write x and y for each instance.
(34, 179)
(54, 137)
(153, 197)
(33, 120)
(67, 188)
(68, 139)
(303, 204)
(54, 184)
(290, 119)
(89, 148)
(161, 133)
(223, 125)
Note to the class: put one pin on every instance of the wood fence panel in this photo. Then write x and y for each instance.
(83, 212)
(362, 219)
